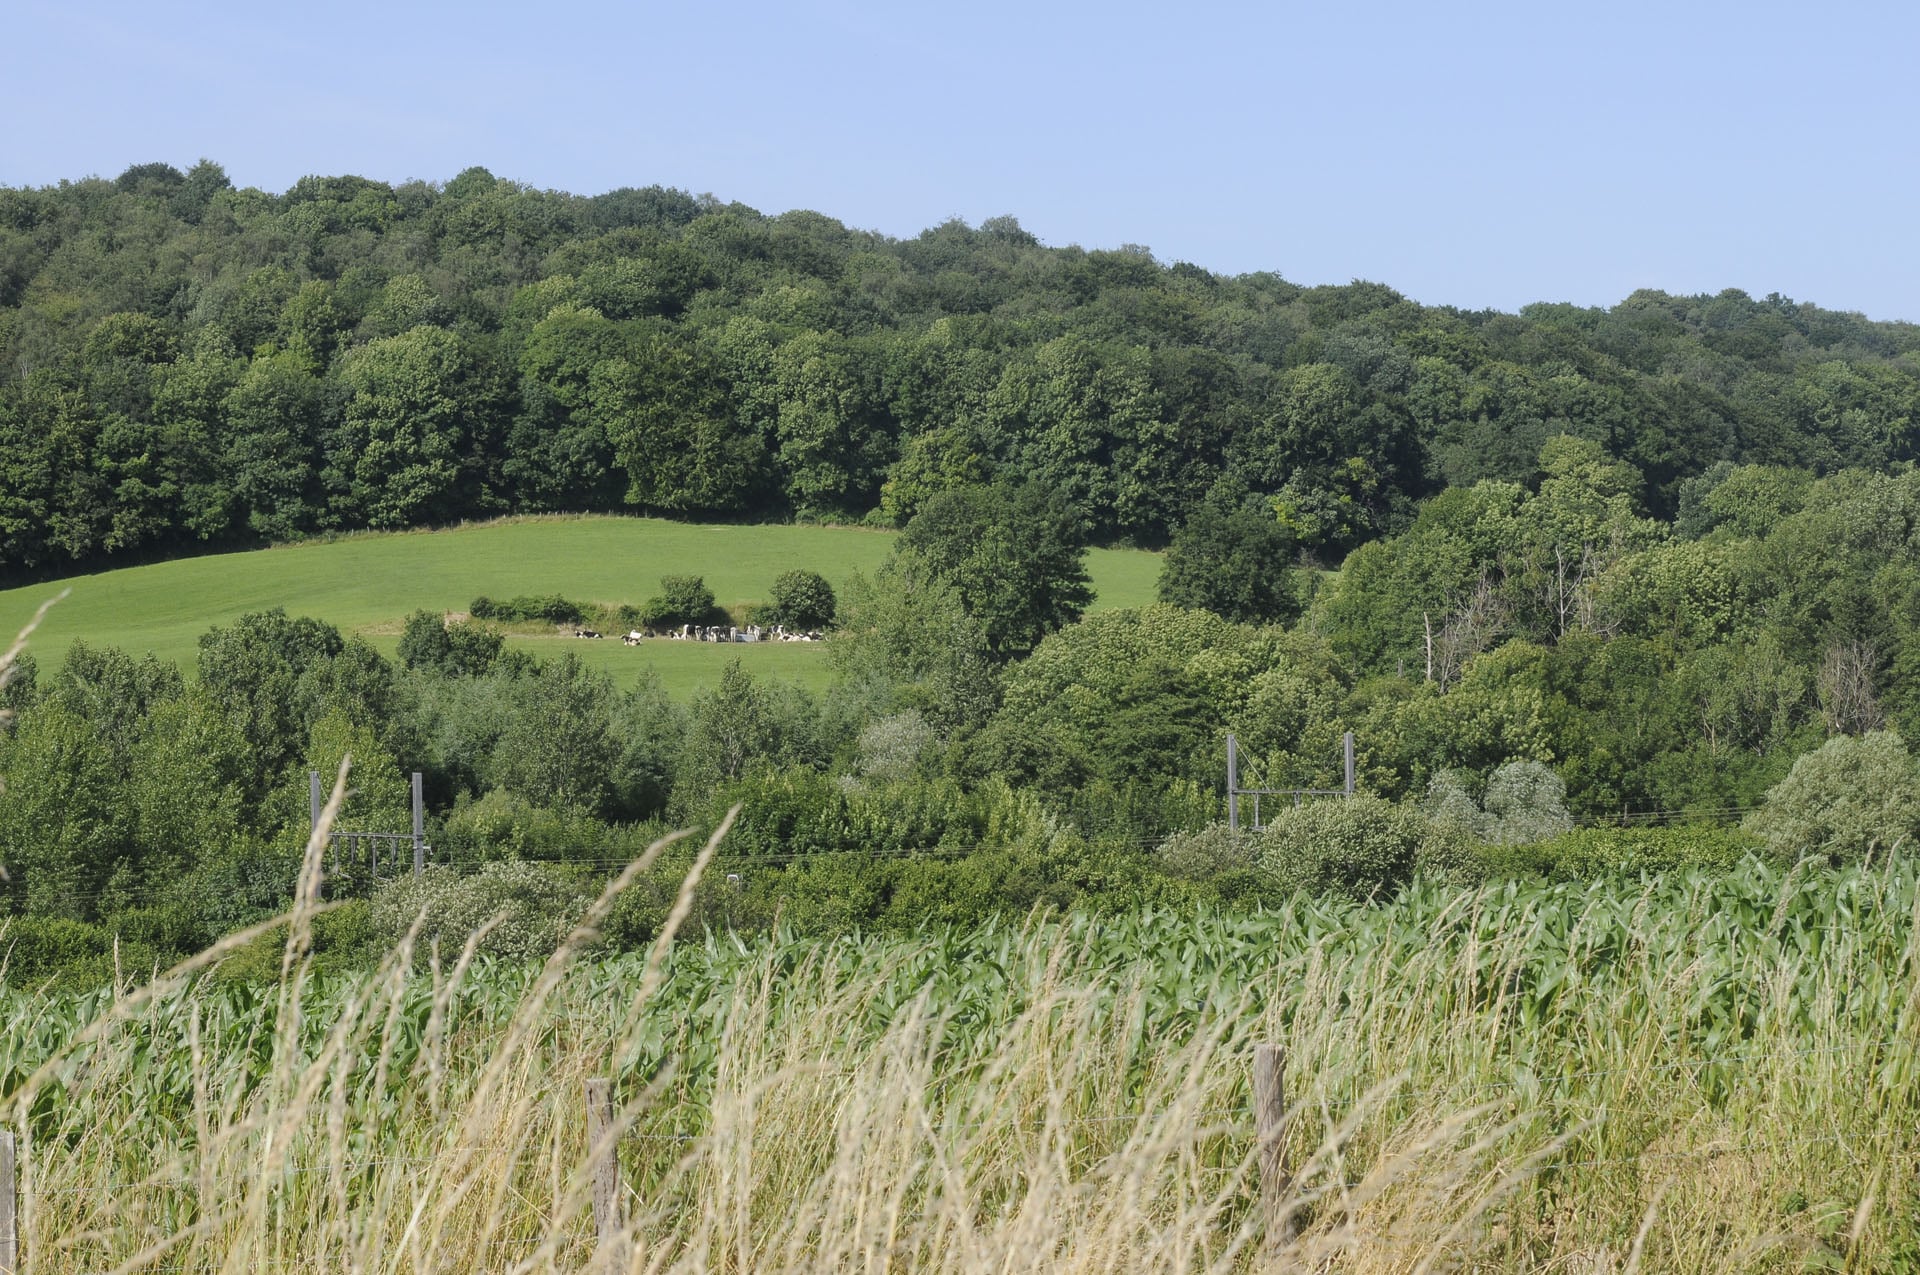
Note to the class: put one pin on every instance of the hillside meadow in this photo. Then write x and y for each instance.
(368, 583)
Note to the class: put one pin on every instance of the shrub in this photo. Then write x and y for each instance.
(1359, 845)
(800, 600)
(1449, 851)
(1850, 799)
(550, 607)
(891, 748)
(1230, 557)
(1209, 853)
(342, 938)
(429, 643)
(66, 954)
(1450, 803)
(423, 641)
(1587, 854)
(654, 613)
(535, 905)
(681, 600)
(554, 608)
(501, 825)
(1524, 802)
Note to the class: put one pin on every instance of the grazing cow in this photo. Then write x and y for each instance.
(634, 637)
(585, 633)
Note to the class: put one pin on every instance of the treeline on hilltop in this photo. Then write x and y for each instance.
(184, 363)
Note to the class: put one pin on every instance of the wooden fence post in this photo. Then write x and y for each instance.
(606, 1163)
(9, 1225)
(1270, 1132)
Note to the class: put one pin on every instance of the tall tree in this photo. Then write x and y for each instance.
(1232, 557)
(1016, 554)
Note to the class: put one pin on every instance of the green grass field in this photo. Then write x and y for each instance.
(367, 584)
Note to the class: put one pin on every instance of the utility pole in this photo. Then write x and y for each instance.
(420, 822)
(1233, 783)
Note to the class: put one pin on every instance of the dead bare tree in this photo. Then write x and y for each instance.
(1845, 686)
(1472, 626)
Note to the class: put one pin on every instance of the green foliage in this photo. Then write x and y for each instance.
(739, 726)
(404, 438)
(198, 364)
(1211, 852)
(1015, 555)
(1850, 800)
(683, 599)
(1232, 557)
(1523, 802)
(268, 674)
(530, 907)
(800, 600)
(501, 825)
(1359, 846)
(1593, 854)
(907, 642)
(1125, 694)
(560, 748)
(891, 748)
(550, 607)
(68, 954)
(458, 650)
(343, 938)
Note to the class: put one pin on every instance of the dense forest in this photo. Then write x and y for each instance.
(1568, 576)
(184, 364)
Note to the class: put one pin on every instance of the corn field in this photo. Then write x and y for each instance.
(1687, 1074)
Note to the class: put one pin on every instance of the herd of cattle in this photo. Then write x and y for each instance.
(716, 633)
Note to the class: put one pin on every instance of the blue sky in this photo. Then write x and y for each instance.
(1474, 154)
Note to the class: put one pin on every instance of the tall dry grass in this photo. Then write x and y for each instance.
(1683, 1075)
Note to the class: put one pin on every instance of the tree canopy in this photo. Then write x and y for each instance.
(186, 364)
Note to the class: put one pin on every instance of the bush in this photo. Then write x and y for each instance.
(501, 826)
(681, 600)
(72, 955)
(1449, 851)
(800, 600)
(834, 892)
(1524, 802)
(1360, 846)
(550, 607)
(1209, 853)
(429, 643)
(654, 613)
(535, 905)
(343, 938)
(1587, 854)
(1851, 799)
(890, 749)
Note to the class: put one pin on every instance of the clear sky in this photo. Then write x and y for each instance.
(1474, 154)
